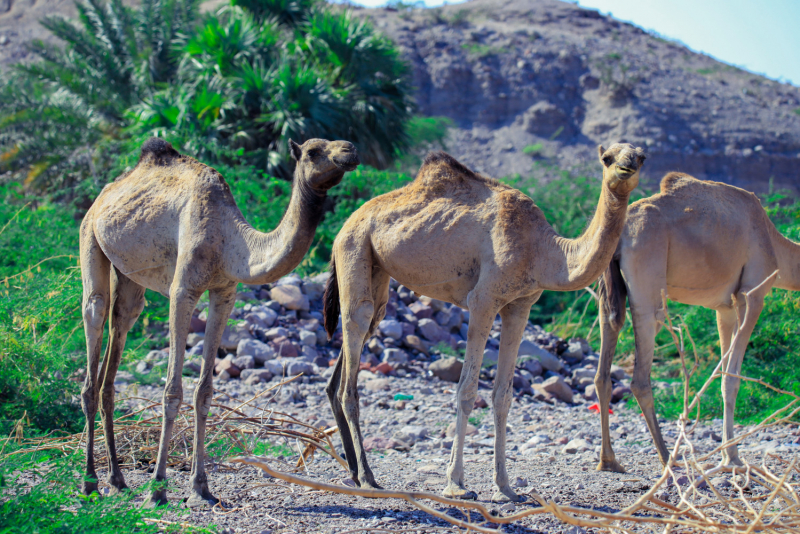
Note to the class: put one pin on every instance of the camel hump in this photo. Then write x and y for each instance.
(443, 158)
(158, 151)
(674, 180)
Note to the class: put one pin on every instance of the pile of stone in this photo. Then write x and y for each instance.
(277, 330)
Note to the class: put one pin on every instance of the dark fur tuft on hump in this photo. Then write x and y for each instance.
(443, 157)
(159, 151)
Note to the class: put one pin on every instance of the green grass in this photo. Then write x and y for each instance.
(533, 150)
(481, 50)
(797, 111)
(478, 416)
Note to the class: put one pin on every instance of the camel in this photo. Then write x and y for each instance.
(171, 225)
(707, 244)
(470, 240)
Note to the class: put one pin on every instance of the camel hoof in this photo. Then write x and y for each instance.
(730, 463)
(89, 488)
(507, 496)
(610, 465)
(460, 493)
(117, 489)
(156, 499)
(365, 484)
(197, 500)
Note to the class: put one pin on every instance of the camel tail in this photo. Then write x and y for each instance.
(613, 292)
(331, 307)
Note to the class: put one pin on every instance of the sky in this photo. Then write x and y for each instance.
(762, 36)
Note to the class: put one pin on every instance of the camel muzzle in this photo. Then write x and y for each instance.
(347, 161)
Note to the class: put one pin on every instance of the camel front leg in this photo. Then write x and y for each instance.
(754, 303)
(127, 302)
(221, 303)
(515, 317)
(181, 306)
(480, 325)
(609, 334)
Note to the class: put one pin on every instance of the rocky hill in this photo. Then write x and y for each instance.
(544, 81)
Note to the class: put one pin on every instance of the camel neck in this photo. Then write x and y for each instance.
(583, 259)
(261, 258)
(787, 253)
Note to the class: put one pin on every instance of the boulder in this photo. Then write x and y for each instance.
(548, 361)
(244, 362)
(232, 335)
(556, 387)
(619, 393)
(375, 345)
(490, 357)
(437, 305)
(451, 430)
(618, 373)
(532, 365)
(313, 290)
(297, 367)
(276, 332)
(395, 356)
(227, 366)
(254, 376)
(194, 338)
(391, 328)
(420, 310)
(290, 297)
(414, 342)
(431, 331)
(574, 351)
(377, 384)
(260, 352)
(590, 393)
(309, 354)
(308, 338)
(197, 325)
(448, 369)
(382, 443)
(575, 446)
(263, 318)
(286, 349)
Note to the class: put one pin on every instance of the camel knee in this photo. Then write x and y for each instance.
(202, 401)
(172, 403)
(350, 406)
(641, 388)
(360, 317)
(94, 312)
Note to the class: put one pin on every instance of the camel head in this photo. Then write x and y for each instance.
(621, 165)
(321, 163)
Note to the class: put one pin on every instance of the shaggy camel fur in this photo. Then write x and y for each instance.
(171, 225)
(706, 244)
(467, 239)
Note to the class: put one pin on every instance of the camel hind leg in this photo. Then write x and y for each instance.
(127, 302)
(95, 270)
(359, 284)
(609, 335)
(380, 295)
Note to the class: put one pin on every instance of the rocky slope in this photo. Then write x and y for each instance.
(559, 79)
(517, 73)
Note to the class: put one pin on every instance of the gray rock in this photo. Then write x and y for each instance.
(547, 360)
(420, 310)
(391, 328)
(619, 393)
(260, 352)
(290, 297)
(576, 446)
(309, 353)
(254, 376)
(197, 349)
(574, 352)
(451, 430)
(375, 346)
(531, 365)
(143, 367)
(244, 362)
(377, 384)
(263, 318)
(308, 338)
(278, 331)
(618, 373)
(395, 356)
(194, 338)
(590, 393)
(556, 386)
(297, 367)
(431, 331)
(414, 342)
(232, 335)
(490, 357)
(584, 372)
(313, 290)
(156, 355)
(448, 369)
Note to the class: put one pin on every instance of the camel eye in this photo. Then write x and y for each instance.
(313, 153)
(608, 160)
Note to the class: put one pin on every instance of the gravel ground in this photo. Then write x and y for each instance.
(537, 460)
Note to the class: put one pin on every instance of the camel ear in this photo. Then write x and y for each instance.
(295, 150)
(600, 151)
(641, 154)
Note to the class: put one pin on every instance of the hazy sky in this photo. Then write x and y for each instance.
(762, 36)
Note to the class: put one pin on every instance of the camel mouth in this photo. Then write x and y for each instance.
(348, 163)
(621, 169)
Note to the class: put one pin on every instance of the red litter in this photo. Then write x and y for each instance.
(595, 408)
